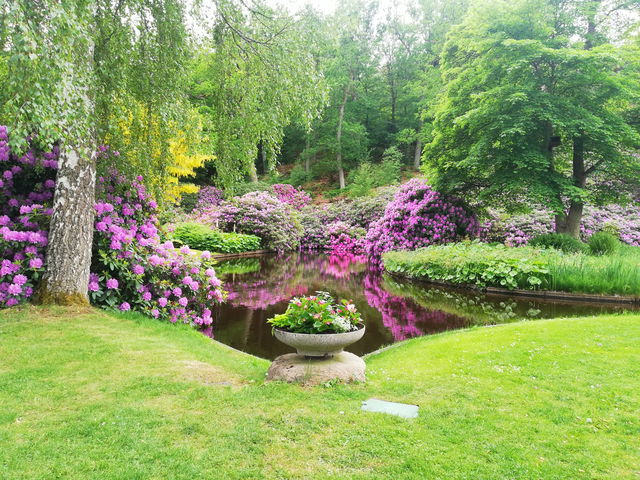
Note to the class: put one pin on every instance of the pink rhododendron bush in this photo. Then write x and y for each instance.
(257, 213)
(135, 271)
(26, 190)
(131, 268)
(417, 217)
(345, 239)
(291, 195)
(517, 230)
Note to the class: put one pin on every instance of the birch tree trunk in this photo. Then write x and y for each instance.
(339, 140)
(307, 156)
(263, 158)
(417, 154)
(71, 232)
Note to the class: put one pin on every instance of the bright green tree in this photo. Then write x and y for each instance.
(252, 78)
(536, 109)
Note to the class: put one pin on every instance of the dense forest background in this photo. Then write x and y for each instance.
(509, 102)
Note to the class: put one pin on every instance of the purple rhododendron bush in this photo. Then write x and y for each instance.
(209, 197)
(417, 217)
(517, 230)
(256, 213)
(135, 270)
(131, 268)
(291, 195)
(26, 191)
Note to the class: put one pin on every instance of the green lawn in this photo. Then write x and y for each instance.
(90, 395)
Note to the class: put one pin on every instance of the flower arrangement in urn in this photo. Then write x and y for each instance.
(317, 325)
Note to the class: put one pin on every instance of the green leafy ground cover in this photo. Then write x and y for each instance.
(490, 265)
(202, 237)
(90, 395)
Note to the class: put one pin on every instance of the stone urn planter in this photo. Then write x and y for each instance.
(319, 344)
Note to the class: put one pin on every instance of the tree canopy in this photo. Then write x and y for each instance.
(536, 109)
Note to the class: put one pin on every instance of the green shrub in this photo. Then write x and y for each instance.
(298, 176)
(244, 188)
(202, 237)
(559, 241)
(521, 267)
(603, 243)
(369, 175)
(323, 167)
(188, 201)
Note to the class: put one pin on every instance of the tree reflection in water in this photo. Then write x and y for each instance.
(393, 309)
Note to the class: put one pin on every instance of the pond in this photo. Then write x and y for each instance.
(393, 309)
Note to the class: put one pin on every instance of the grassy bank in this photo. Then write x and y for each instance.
(90, 395)
(522, 267)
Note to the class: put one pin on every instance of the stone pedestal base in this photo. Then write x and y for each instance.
(292, 367)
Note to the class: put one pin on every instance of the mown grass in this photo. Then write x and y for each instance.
(521, 267)
(89, 395)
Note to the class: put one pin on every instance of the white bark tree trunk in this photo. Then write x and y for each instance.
(417, 154)
(339, 140)
(71, 232)
(307, 156)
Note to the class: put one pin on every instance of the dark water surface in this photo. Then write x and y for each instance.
(393, 309)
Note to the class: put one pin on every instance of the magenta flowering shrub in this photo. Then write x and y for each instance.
(345, 239)
(133, 270)
(209, 197)
(291, 195)
(26, 192)
(625, 219)
(517, 230)
(419, 216)
(261, 214)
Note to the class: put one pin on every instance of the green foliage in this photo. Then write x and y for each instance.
(387, 69)
(298, 176)
(613, 274)
(322, 168)
(603, 243)
(369, 175)
(318, 314)
(77, 70)
(533, 107)
(254, 77)
(188, 201)
(201, 237)
(474, 264)
(247, 187)
(393, 155)
(559, 241)
(522, 267)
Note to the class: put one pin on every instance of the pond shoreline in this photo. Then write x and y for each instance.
(546, 294)
(228, 256)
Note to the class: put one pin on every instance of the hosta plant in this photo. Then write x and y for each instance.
(318, 313)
